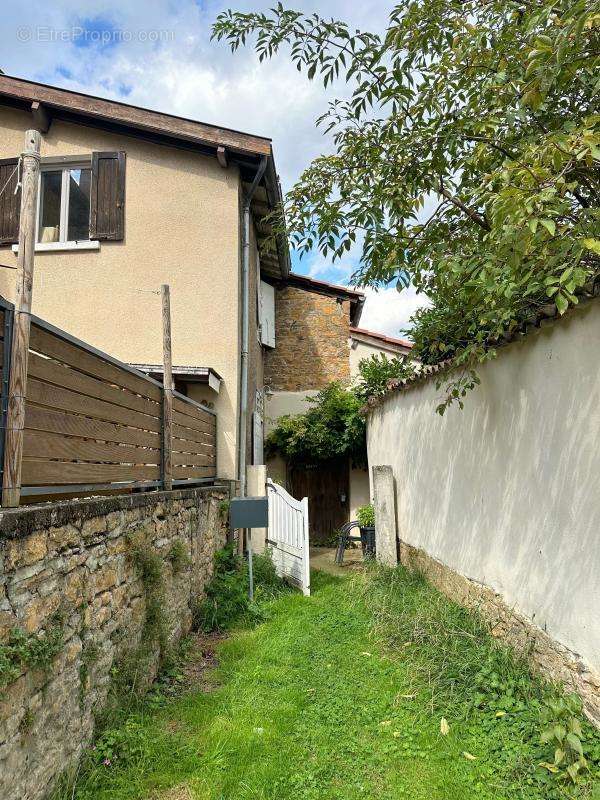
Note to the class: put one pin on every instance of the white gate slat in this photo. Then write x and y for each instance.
(288, 535)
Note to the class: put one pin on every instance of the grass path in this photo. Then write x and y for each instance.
(309, 706)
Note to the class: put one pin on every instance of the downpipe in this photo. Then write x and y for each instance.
(243, 411)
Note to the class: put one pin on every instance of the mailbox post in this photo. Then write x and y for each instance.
(249, 512)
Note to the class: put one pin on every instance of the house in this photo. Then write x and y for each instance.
(318, 341)
(131, 199)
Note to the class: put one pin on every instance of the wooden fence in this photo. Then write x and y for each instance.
(93, 423)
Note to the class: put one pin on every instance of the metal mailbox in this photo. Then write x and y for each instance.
(249, 512)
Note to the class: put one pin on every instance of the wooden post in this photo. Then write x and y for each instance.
(167, 441)
(15, 419)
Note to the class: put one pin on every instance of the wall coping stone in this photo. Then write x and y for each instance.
(16, 523)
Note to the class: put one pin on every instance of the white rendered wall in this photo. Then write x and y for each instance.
(507, 492)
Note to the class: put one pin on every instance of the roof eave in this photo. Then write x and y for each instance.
(154, 125)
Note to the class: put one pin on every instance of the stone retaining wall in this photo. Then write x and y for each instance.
(547, 656)
(69, 568)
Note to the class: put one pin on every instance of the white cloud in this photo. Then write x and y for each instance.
(185, 73)
(389, 312)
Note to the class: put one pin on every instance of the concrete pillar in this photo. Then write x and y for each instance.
(385, 516)
(256, 486)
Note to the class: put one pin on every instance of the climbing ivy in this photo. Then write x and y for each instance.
(332, 428)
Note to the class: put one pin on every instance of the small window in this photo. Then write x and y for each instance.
(64, 204)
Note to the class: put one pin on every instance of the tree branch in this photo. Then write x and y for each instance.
(473, 215)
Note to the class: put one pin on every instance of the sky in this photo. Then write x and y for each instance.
(158, 54)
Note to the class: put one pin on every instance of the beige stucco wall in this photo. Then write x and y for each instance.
(182, 228)
(280, 404)
(507, 491)
(360, 491)
(360, 349)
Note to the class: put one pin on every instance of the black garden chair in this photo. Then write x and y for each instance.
(366, 539)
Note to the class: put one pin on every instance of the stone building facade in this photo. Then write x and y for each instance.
(72, 573)
(317, 341)
(312, 340)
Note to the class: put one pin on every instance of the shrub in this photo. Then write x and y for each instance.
(563, 732)
(226, 599)
(332, 428)
(226, 603)
(375, 372)
(366, 516)
(30, 650)
(148, 565)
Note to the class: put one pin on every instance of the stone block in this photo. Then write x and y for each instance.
(64, 537)
(75, 587)
(23, 552)
(34, 615)
(7, 622)
(94, 526)
(105, 578)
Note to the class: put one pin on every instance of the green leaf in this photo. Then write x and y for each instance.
(593, 245)
(562, 305)
(550, 226)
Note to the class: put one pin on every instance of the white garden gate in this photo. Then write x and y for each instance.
(288, 536)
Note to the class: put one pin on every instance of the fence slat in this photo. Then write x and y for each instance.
(187, 434)
(193, 472)
(183, 446)
(193, 459)
(43, 341)
(63, 472)
(53, 372)
(192, 423)
(46, 419)
(38, 444)
(192, 410)
(45, 394)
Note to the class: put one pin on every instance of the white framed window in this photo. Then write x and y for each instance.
(64, 203)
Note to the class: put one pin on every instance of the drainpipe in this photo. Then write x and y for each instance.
(243, 415)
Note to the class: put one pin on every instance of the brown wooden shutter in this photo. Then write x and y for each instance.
(10, 203)
(107, 204)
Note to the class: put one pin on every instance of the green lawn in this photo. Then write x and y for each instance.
(341, 695)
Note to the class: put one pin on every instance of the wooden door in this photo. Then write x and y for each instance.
(327, 488)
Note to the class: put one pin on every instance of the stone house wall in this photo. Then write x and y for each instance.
(311, 334)
(70, 566)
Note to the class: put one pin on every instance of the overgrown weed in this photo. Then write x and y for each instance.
(461, 672)
(226, 603)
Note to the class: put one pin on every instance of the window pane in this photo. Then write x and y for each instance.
(79, 204)
(49, 228)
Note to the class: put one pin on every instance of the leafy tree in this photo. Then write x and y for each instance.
(467, 158)
(332, 428)
(374, 374)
